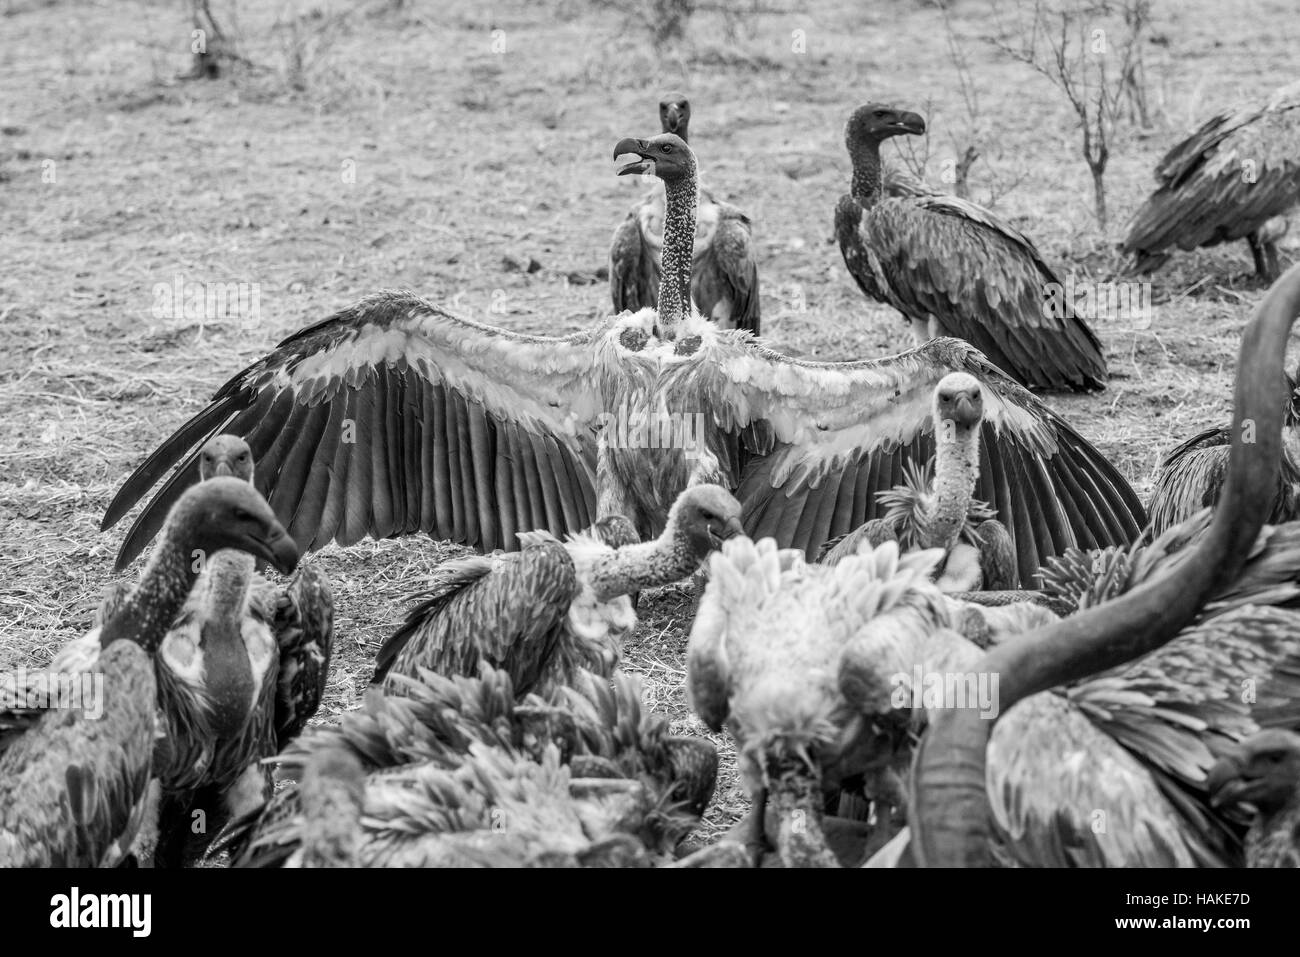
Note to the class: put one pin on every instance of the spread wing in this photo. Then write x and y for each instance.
(824, 438)
(1241, 168)
(985, 282)
(394, 416)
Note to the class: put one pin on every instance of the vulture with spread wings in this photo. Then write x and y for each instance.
(394, 416)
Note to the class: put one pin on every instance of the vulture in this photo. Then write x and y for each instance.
(954, 269)
(551, 608)
(1263, 772)
(394, 416)
(724, 275)
(940, 511)
(240, 671)
(1234, 178)
(462, 771)
(1192, 474)
(1188, 693)
(74, 780)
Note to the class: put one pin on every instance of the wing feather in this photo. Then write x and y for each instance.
(368, 368)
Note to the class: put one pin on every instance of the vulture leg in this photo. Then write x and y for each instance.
(1265, 256)
(757, 844)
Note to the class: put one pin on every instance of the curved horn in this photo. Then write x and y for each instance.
(950, 810)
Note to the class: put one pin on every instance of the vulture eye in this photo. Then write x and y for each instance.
(667, 147)
(879, 113)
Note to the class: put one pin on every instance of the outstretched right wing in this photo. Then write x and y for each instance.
(393, 416)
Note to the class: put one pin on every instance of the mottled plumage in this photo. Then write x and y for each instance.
(73, 783)
(394, 416)
(1192, 474)
(1227, 181)
(239, 673)
(724, 273)
(579, 776)
(1263, 773)
(552, 608)
(952, 268)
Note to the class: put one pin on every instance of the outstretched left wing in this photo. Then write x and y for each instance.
(826, 437)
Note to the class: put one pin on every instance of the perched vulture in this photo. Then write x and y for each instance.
(394, 416)
(954, 269)
(1234, 178)
(724, 274)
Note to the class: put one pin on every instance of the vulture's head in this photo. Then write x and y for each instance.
(875, 122)
(226, 455)
(959, 399)
(666, 156)
(226, 512)
(703, 517)
(675, 114)
(1262, 771)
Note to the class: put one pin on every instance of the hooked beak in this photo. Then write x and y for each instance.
(222, 468)
(638, 147)
(730, 529)
(1224, 782)
(967, 411)
(672, 118)
(910, 123)
(277, 548)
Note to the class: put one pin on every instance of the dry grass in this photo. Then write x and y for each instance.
(464, 156)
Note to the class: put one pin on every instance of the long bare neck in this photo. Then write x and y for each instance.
(868, 184)
(682, 200)
(147, 613)
(647, 565)
(956, 470)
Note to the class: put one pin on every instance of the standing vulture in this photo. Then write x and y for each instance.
(724, 280)
(1232, 179)
(394, 416)
(953, 788)
(952, 268)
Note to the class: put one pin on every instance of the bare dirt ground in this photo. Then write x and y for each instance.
(422, 144)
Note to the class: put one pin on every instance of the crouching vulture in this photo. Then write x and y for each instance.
(394, 416)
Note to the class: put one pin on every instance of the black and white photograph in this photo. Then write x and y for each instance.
(686, 434)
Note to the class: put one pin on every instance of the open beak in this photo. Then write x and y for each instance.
(638, 147)
(277, 548)
(910, 123)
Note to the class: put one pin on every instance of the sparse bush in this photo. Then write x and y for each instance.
(1090, 50)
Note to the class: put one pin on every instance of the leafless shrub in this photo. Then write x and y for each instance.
(1090, 50)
